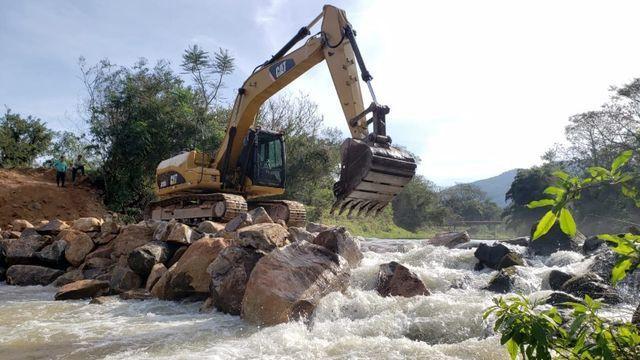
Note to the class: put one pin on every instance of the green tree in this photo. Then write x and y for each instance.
(139, 116)
(528, 185)
(22, 139)
(418, 205)
(468, 202)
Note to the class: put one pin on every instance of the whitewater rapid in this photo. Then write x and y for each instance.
(358, 324)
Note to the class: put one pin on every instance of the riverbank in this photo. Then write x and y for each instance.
(358, 323)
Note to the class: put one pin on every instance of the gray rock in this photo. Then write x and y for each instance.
(299, 234)
(123, 279)
(557, 278)
(53, 255)
(68, 277)
(503, 281)
(491, 255)
(339, 241)
(449, 239)
(53, 227)
(592, 285)
(23, 250)
(142, 259)
(230, 273)
(238, 222)
(558, 298)
(520, 241)
(25, 275)
(135, 294)
(591, 244)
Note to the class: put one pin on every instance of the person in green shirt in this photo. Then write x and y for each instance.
(61, 171)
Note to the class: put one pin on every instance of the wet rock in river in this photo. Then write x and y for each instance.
(591, 245)
(503, 281)
(135, 294)
(287, 283)
(339, 241)
(157, 271)
(123, 278)
(79, 245)
(68, 277)
(592, 285)
(395, 279)
(557, 278)
(449, 239)
(82, 289)
(230, 272)
(25, 275)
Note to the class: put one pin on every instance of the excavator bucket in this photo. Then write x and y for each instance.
(370, 176)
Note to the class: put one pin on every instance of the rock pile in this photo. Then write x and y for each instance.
(252, 267)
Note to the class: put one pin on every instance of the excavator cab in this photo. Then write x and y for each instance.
(263, 158)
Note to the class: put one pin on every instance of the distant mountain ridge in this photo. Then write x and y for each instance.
(496, 187)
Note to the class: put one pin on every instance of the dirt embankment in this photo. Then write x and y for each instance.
(32, 194)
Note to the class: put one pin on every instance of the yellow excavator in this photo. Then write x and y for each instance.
(250, 163)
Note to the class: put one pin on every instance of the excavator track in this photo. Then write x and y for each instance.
(292, 213)
(193, 208)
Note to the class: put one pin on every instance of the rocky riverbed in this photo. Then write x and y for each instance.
(438, 317)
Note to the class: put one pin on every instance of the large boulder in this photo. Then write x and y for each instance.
(552, 241)
(449, 239)
(300, 234)
(176, 256)
(52, 227)
(557, 278)
(592, 285)
(559, 298)
(20, 224)
(163, 229)
(53, 255)
(395, 279)
(131, 237)
(189, 278)
(103, 251)
(142, 259)
(503, 281)
(265, 236)
(602, 263)
(592, 244)
(123, 278)
(339, 241)
(210, 227)
(79, 245)
(87, 224)
(259, 216)
(24, 249)
(230, 272)
(182, 234)
(157, 271)
(238, 222)
(97, 268)
(490, 256)
(289, 282)
(82, 289)
(160, 288)
(24, 275)
(316, 228)
(109, 227)
(68, 277)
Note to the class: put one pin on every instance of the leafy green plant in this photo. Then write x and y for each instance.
(545, 334)
(536, 333)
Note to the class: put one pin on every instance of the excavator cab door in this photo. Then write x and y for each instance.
(263, 158)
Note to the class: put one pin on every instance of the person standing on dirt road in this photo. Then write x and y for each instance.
(61, 171)
(78, 165)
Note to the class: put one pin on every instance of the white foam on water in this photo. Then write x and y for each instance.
(358, 324)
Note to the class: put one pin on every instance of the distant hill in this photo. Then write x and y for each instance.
(497, 186)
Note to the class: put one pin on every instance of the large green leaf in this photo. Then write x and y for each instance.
(561, 175)
(512, 347)
(545, 224)
(621, 160)
(620, 270)
(567, 224)
(541, 203)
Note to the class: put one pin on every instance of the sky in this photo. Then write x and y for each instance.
(475, 87)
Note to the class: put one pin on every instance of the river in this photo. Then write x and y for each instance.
(358, 324)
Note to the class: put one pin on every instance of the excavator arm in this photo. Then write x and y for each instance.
(372, 171)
